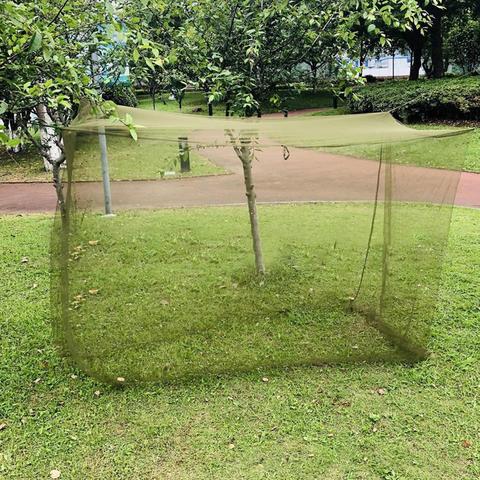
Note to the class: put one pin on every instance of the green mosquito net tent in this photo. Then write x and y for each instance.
(219, 245)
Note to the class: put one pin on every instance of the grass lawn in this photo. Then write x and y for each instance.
(195, 102)
(128, 160)
(337, 421)
(442, 153)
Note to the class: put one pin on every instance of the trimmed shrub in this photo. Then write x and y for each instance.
(121, 94)
(422, 100)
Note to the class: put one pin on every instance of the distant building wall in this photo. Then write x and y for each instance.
(388, 66)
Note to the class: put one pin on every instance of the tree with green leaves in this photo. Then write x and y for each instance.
(54, 54)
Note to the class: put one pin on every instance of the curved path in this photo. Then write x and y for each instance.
(306, 176)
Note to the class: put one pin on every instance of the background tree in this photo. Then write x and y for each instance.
(55, 53)
(462, 44)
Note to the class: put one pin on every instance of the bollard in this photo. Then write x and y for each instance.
(184, 154)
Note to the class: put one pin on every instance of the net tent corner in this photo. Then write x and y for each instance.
(352, 218)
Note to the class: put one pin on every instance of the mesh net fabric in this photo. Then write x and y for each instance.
(354, 213)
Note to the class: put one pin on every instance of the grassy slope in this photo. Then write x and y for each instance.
(434, 154)
(330, 422)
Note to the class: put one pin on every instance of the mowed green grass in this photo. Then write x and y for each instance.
(137, 160)
(175, 295)
(196, 102)
(338, 421)
(128, 160)
(454, 153)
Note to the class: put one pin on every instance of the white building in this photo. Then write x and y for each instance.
(389, 66)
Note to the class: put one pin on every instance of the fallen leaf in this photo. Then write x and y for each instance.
(97, 393)
(164, 302)
(24, 260)
(265, 379)
(55, 474)
(466, 444)
(93, 242)
(3, 426)
(93, 291)
(120, 379)
(381, 391)
(73, 376)
(231, 446)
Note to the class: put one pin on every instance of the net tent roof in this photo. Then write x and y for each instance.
(297, 131)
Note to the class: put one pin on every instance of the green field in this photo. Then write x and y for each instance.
(195, 102)
(461, 153)
(128, 160)
(336, 421)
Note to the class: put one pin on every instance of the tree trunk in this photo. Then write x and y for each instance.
(48, 138)
(57, 183)
(437, 47)
(210, 109)
(154, 99)
(245, 153)
(314, 68)
(416, 62)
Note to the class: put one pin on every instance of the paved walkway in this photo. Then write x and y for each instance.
(306, 176)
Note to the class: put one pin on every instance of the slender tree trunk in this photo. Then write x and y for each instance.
(246, 156)
(57, 183)
(210, 109)
(416, 62)
(154, 99)
(49, 139)
(437, 47)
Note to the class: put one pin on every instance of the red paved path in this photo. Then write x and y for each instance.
(305, 176)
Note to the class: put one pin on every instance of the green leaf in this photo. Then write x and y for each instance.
(47, 54)
(149, 63)
(36, 42)
(136, 55)
(133, 132)
(3, 107)
(371, 28)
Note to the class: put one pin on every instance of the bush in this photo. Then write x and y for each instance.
(121, 94)
(422, 100)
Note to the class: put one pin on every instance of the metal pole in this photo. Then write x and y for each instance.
(184, 153)
(107, 195)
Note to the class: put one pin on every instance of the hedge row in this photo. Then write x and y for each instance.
(422, 100)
